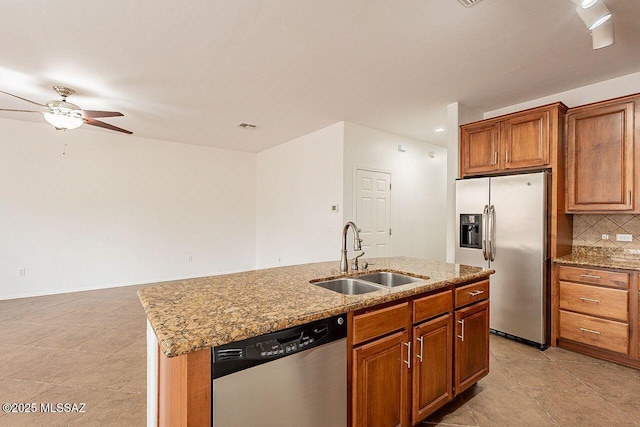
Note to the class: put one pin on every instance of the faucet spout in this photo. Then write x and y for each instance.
(357, 241)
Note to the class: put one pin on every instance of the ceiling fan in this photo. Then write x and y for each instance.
(64, 115)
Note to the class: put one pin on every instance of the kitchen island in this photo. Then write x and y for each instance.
(189, 317)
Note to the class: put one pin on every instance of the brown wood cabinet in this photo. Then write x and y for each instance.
(380, 382)
(520, 141)
(403, 366)
(479, 148)
(471, 345)
(597, 312)
(433, 366)
(600, 157)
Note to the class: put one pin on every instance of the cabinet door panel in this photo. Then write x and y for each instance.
(380, 382)
(471, 345)
(526, 140)
(479, 148)
(433, 363)
(600, 159)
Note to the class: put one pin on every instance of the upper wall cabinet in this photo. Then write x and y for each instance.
(520, 141)
(600, 157)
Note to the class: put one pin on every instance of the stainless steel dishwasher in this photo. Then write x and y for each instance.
(290, 378)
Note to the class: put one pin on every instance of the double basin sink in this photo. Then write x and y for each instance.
(369, 282)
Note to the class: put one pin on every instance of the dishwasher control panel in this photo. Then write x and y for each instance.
(232, 357)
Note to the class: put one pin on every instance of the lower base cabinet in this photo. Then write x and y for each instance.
(409, 358)
(597, 313)
(472, 345)
(432, 372)
(380, 384)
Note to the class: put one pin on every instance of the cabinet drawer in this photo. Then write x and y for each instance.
(606, 334)
(380, 322)
(593, 300)
(595, 277)
(472, 293)
(432, 306)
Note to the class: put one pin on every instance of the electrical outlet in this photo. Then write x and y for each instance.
(335, 208)
(605, 237)
(21, 271)
(624, 237)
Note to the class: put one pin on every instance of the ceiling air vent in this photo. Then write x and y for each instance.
(247, 126)
(469, 3)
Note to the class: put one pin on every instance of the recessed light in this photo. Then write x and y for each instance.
(439, 130)
(247, 126)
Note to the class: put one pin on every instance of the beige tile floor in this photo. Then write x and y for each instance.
(528, 387)
(82, 347)
(89, 347)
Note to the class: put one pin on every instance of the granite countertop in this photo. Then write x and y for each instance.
(194, 314)
(621, 259)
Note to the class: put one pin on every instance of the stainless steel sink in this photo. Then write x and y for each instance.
(388, 279)
(349, 286)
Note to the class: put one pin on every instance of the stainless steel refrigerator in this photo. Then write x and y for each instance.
(501, 223)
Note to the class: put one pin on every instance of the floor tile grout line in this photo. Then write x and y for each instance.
(119, 390)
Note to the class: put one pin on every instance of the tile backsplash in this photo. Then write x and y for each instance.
(588, 230)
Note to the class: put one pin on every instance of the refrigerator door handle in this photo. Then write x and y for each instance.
(492, 233)
(485, 230)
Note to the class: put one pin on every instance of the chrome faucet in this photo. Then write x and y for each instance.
(344, 265)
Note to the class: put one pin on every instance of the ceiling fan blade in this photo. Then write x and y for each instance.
(20, 111)
(100, 124)
(19, 97)
(92, 114)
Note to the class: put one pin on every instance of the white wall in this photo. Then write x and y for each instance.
(457, 114)
(297, 183)
(118, 210)
(607, 89)
(418, 197)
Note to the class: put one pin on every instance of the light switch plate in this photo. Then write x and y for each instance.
(624, 237)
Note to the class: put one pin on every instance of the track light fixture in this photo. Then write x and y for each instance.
(594, 14)
(597, 17)
(603, 35)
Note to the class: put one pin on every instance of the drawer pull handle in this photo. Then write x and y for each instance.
(597, 301)
(475, 293)
(408, 361)
(421, 339)
(591, 331)
(462, 330)
(590, 276)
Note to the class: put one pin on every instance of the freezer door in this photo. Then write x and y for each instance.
(472, 196)
(518, 286)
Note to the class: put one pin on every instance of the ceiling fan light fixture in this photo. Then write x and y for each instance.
(63, 115)
(63, 121)
(595, 15)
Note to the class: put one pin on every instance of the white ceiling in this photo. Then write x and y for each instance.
(190, 71)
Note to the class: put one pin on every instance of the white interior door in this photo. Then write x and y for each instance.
(373, 211)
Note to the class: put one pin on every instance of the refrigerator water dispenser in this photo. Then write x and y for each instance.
(471, 231)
